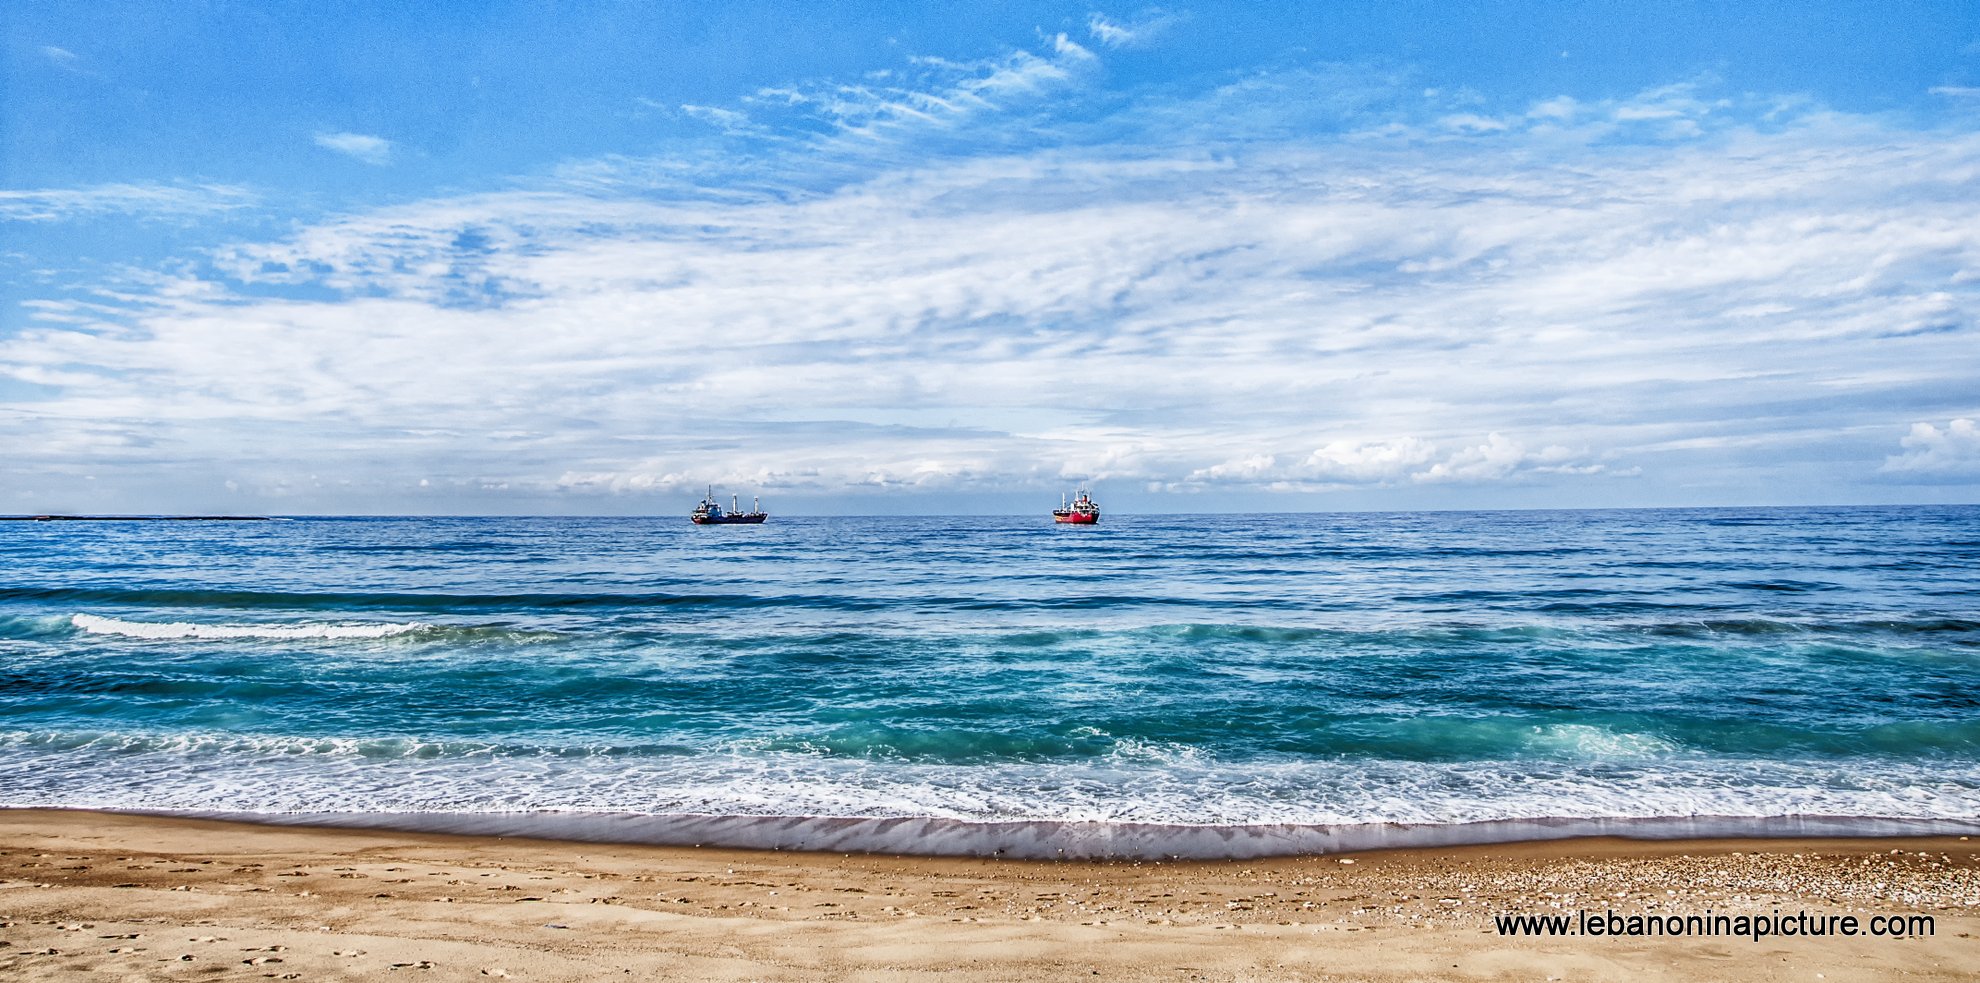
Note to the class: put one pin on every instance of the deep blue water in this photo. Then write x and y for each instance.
(1227, 671)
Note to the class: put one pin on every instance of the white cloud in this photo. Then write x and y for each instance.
(1394, 462)
(1472, 123)
(726, 119)
(1066, 47)
(1930, 451)
(929, 95)
(1678, 112)
(1133, 33)
(1557, 108)
(1378, 462)
(1492, 460)
(369, 149)
(143, 200)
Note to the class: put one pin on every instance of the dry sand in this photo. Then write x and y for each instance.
(94, 896)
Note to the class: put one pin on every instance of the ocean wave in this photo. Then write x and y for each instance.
(98, 625)
(1138, 751)
(753, 636)
(1144, 785)
(441, 602)
(1588, 742)
(241, 748)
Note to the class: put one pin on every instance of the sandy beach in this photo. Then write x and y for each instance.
(127, 897)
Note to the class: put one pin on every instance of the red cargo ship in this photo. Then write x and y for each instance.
(1081, 511)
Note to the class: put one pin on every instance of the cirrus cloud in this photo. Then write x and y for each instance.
(373, 150)
(150, 201)
(1133, 32)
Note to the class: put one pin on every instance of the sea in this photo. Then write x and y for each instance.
(1154, 686)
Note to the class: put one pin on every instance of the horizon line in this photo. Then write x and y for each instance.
(223, 517)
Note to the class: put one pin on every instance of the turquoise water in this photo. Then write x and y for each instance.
(991, 680)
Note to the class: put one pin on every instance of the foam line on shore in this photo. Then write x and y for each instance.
(1051, 840)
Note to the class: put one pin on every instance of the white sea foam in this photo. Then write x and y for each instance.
(1134, 751)
(97, 625)
(271, 774)
(1584, 741)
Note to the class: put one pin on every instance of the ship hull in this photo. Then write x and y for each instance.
(1077, 518)
(728, 520)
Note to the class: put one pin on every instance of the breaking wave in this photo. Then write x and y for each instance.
(97, 625)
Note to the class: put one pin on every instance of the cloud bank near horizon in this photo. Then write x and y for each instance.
(1002, 275)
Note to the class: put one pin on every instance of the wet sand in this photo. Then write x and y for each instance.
(141, 898)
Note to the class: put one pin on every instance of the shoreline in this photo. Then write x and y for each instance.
(164, 897)
(1070, 839)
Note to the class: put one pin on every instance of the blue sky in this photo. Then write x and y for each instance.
(885, 258)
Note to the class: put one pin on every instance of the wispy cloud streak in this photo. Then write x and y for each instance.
(1134, 32)
(143, 200)
(373, 150)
